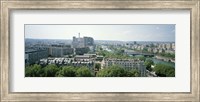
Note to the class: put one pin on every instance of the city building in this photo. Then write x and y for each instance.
(161, 50)
(91, 55)
(88, 41)
(99, 58)
(128, 64)
(82, 42)
(163, 46)
(155, 50)
(170, 51)
(78, 61)
(82, 58)
(160, 46)
(81, 51)
(173, 46)
(169, 46)
(33, 56)
(60, 51)
(150, 49)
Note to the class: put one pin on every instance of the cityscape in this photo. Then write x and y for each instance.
(89, 51)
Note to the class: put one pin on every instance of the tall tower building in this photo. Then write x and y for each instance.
(82, 42)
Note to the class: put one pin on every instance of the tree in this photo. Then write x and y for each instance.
(50, 70)
(28, 71)
(142, 58)
(34, 71)
(117, 71)
(148, 64)
(152, 45)
(168, 55)
(103, 73)
(171, 73)
(145, 50)
(133, 73)
(164, 70)
(119, 52)
(98, 66)
(83, 72)
(67, 71)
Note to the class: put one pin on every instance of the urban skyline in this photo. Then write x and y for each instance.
(156, 32)
(99, 51)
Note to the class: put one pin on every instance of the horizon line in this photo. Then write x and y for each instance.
(102, 40)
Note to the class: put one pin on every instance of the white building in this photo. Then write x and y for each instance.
(173, 46)
(82, 42)
(169, 46)
(127, 64)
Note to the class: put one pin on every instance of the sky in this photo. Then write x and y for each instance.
(126, 32)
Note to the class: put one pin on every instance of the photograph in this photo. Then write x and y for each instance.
(99, 50)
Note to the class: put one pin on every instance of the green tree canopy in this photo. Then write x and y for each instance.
(98, 66)
(83, 72)
(67, 71)
(117, 71)
(50, 70)
(148, 64)
(133, 73)
(164, 70)
(34, 71)
(168, 55)
(142, 58)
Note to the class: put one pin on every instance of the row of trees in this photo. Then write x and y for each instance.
(70, 71)
(114, 54)
(119, 54)
(168, 55)
(112, 71)
(117, 71)
(52, 70)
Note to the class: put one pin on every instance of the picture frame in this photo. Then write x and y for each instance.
(7, 6)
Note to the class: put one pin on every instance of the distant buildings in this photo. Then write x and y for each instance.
(155, 50)
(161, 50)
(173, 46)
(156, 47)
(150, 49)
(169, 45)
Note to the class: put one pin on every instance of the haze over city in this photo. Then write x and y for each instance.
(125, 32)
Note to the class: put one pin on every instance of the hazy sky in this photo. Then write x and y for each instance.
(155, 32)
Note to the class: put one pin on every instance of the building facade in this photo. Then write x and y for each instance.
(128, 64)
(82, 42)
(34, 56)
(60, 51)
